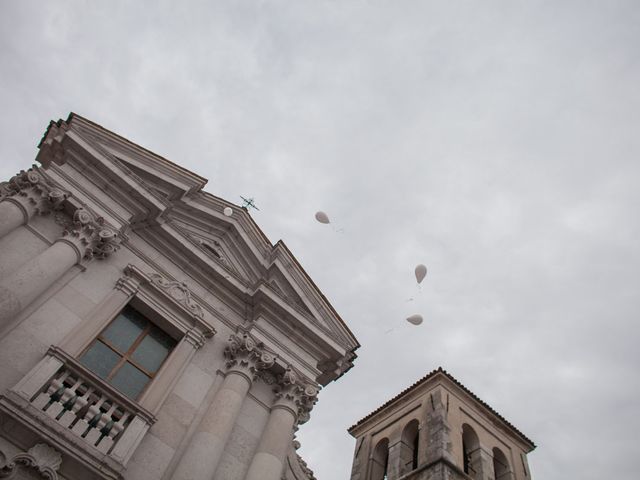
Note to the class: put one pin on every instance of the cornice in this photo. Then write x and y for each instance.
(433, 378)
(178, 293)
(194, 181)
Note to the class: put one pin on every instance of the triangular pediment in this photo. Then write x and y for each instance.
(216, 247)
(285, 290)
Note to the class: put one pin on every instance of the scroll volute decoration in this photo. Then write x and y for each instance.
(92, 234)
(245, 354)
(179, 291)
(38, 195)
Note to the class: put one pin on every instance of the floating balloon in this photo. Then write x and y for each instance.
(415, 319)
(421, 272)
(228, 211)
(322, 217)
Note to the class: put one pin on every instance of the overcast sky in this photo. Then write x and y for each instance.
(495, 142)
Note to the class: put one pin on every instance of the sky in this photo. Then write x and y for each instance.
(496, 142)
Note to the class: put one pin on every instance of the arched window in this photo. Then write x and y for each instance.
(380, 460)
(409, 452)
(470, 450)
(500, 465)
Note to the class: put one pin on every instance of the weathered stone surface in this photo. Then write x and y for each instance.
(454, 423)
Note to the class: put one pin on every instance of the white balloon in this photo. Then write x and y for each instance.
(228, 211)
(322, 217)
(415, 319)
(421, 272)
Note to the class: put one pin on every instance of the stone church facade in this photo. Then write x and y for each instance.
(144, 334)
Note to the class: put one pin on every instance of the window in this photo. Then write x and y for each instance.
(470, 450)
(500, 465)
(129, 352)
(380, 460)
(409, 446)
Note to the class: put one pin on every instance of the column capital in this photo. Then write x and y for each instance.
(295, 395)
(90, 235)
(34, 194)
(246, 356)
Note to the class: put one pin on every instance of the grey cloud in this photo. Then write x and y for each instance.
(496, 142)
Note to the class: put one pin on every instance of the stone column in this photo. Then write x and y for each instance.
(245, 358)
(481, 462)
(292, 405)
(25, 195)
(400, 459)
(81, 239)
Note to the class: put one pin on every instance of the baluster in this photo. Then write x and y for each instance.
(44, 399)
(105, 444)
(105, 423)
(68, 397)
(56, 406)
(90, 419)
(75, 404)
(98, 424)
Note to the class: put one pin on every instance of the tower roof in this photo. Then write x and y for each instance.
(430, 376)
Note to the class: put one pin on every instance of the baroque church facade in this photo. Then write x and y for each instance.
(144, 333)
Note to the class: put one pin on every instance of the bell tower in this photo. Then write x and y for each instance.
(437, 429)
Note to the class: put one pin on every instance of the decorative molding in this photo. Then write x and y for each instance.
(33, 193)
(144, 285)
(179, 291)
(90, 234)
(294, 394)
(51, 148)
(42, 458)
(247, 356)
(195, 338)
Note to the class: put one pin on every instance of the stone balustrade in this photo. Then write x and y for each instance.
(84, 405)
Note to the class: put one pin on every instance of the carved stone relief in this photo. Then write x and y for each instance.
(295, 394)
(179, 291)
(36, 195)
(246, 355)
(91, 234)
(40, 462)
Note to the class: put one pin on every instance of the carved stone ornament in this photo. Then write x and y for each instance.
(41, 460)
(179, 291)
(298, 396)
(37, 195)
(90, 234)
(244, 354)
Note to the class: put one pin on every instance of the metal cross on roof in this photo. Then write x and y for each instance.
(248, 203)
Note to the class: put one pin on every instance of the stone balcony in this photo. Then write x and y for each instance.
(90, 422)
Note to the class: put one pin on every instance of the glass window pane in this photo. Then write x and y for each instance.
(153, 349)
(100, 359)
(127, 326)
(129, 380)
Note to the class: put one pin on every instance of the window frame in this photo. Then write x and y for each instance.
(127, 357)
(169, 306)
